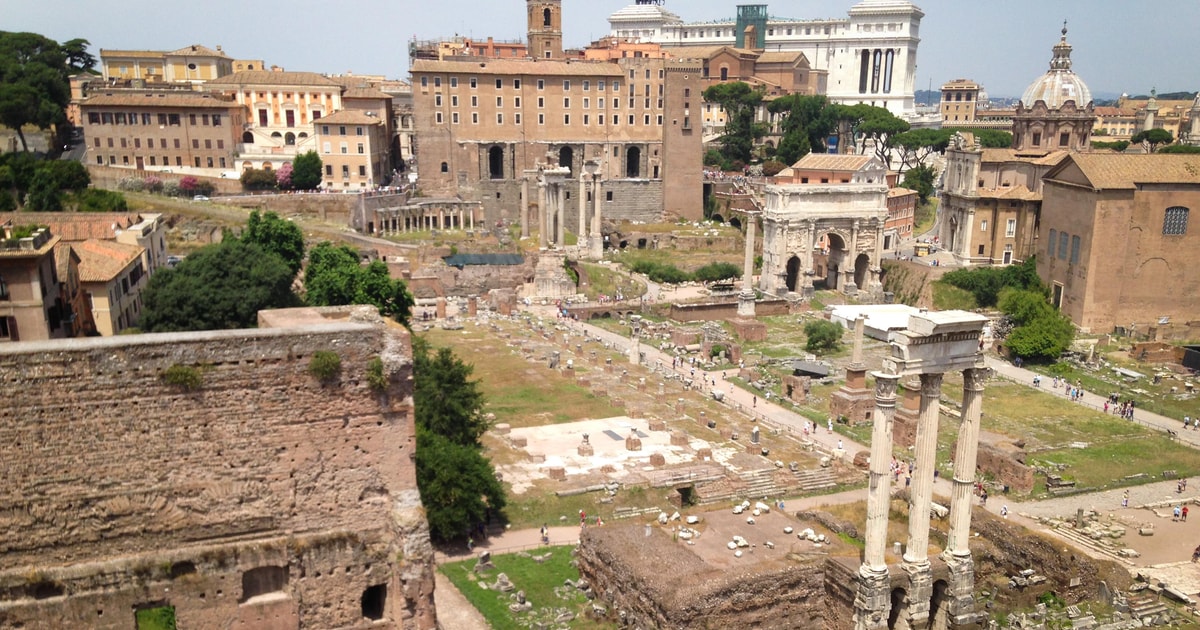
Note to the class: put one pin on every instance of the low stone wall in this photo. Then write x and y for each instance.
(720, 311)
(330, 207)
(1005, 463)
(109, 176)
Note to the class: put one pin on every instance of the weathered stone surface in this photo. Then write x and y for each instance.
(122, 489)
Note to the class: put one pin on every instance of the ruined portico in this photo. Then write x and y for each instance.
(932, 345)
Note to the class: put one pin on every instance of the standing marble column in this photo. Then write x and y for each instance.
(543, 215)
(964, 463)
(916, 554)
(850, 265)
(746, 297)
(525, 207)
(582, 230)
(560, 213)
(872, 602)
(597, 239)
(922, 478)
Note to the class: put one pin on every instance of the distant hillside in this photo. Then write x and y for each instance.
(1167, 96)
(928, 97)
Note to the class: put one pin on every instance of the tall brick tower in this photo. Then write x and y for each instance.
(545, 29)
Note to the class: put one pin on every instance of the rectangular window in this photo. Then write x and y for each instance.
(600, 86)
(517, 102)
(173, 120)
(437, 100)
(566, 101)
(1074, 249)
(1175, 221)
(541, 119)
(499, 101)
(177, 145)
(499, 84)
(328, 147)
(191, 119)
(517, 118)
(362, 171)
(616, 86)
(541, 102)
(616, 119)
(475, 118)
(1051, 242)
(437, 117)
(566, 85)
(222, 162)
(437, 81)
(586, 103)
(453, 82)
(516, 84)
(1010, 229)
(345, 171)
(585, 119)
(454, 101)
(587, 85)
(137, 143)
(147, 118)
(424, 81)
(983, 225)
(499, 119)
(345, 148)
(474, 101)
(329, 169)
(474, 83)
(208, 144)
(541, 84)
(1062, 245)
(566, 119)
(360, 148)
(454, 118)
(341, 130)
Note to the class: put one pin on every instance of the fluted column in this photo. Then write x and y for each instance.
(921, 496)
(560, 214)
(964, 463)
(543, 215)
(879, 491)
(525, 207)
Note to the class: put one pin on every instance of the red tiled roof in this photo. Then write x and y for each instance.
(101, 261)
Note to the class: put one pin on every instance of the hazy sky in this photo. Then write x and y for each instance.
(1120, 46)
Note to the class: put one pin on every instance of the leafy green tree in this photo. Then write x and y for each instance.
(276, 236)
(306, 171)
(882, 126)
(807, 123)
(100, 200)
(740, 102)
(458, 485)
(78, 57)
(258, 179)
(33, 82)
(919, 179)
(988, 138)
(823, 335)
(1044, 337)
(66, 174)
(218, 286)
(1153, 137)
(714, 272)
(44, 193)
(1179, 148)
(918, 144)
(335, 276)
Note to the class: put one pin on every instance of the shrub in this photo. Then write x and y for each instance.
(99, 200)
(771, 168)
(713, 272)
(131, 184)
(658, 272)
(153, 184)
(258, 179)
(716, 350)
(375, 376)
(325, 365)
(822, 335)
(187, 185)
(184, 377)
(170, 188)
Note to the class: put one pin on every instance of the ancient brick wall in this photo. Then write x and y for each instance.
(123, 490)
(719, 311)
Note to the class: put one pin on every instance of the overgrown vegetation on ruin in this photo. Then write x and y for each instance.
(325, 365)
(185, 377)
(376, 379)
(542, 583)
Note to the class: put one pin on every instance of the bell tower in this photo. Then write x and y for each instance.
(545, 29)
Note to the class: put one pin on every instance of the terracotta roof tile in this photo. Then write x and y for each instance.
(1020, 193)
(1042, 158)
(349, 117)
(75, 226)
(364, 92)
(518, 67)
(826, 162)
(270, 77)
(158, 99)
(101, 261)
(1125, 171)
(781, 57)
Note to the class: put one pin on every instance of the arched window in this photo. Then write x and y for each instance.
(546, 17)
(445, 167)
(302, 135)
(289, 139)
(496, 163)
(566, 157)
(1051, 244)
(248, 138)
(875, 70)
(864, 71)
(633, 159)
(266, 166)
(1175, 221)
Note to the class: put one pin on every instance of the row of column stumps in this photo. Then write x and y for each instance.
(873, 600)
(552, 210)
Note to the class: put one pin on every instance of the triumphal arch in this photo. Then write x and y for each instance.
(823, 222)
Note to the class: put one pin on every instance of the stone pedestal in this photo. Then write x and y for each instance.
(657, 424)
(441, 308)
(745, 304)
(657, 459)
(557, 473)
(873, 600)
(959, 604)
(633, 443)
(679, 438)
(472, 306)
(919, 594)
(586, 450)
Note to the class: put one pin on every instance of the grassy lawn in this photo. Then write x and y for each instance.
(948, 297)
(605, 280)
(518, 392)
(1096, 450)
(542, 583)
(925, 216)
(1156, 398)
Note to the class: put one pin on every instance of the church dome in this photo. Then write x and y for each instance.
(1060, 84)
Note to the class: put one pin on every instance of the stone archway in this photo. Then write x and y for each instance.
(862, 266)
(939, 611)
(898, 616)
(835, 261)
(793, 274)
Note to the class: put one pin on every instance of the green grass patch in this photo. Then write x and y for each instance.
(948, 297)
(1104, 464)
(925, 216)
(160, 618)
(542, 583)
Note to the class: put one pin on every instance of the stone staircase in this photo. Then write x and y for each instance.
(815, 479)
(1146, 605)
(1106, 550)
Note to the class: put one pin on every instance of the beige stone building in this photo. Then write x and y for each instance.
(1117, 247)
(353, 146)
(193, 64)
(959, 100)
(30, 303)
(991, 197)
(159, 130)
(114, 276)
(485, 127)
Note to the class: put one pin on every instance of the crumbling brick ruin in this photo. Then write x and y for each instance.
(215, 477)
